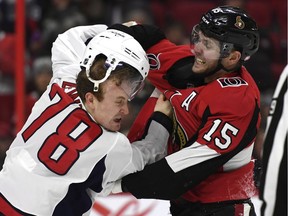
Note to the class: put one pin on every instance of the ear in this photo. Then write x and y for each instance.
(234, 57)
(89, 99)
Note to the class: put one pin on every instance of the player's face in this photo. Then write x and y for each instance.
(110, 111)
(207, 53)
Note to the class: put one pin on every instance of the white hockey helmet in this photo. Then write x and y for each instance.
(121, 49)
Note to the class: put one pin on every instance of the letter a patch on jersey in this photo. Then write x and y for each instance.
(231, 82)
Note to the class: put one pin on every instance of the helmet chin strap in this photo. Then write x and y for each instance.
(218, 67)
(221, 67)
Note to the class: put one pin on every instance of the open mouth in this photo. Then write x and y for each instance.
(200, 61)
(118, 120)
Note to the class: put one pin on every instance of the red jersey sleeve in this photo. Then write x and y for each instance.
(137, 129)
(162, 57)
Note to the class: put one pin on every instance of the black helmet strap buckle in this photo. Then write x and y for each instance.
(226, 49)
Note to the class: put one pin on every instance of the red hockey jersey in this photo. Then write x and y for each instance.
(210, 121)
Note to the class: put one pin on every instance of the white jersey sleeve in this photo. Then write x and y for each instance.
(68, 49)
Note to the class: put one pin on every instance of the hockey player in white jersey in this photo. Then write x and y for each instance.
(69, 151)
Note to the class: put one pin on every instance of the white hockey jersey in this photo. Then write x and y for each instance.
(61, 160)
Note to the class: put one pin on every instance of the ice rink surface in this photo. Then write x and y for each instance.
(127, 205)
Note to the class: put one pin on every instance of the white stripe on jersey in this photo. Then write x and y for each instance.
(239, 160)
(246, 210)
(190, 156)
(198, 153)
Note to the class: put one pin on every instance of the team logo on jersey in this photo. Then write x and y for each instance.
(231, 82)
(154, 61)
(179, 137)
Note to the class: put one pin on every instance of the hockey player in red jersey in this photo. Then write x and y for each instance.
(69, 151)
(209, 169)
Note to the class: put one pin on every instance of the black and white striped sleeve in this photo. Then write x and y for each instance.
(273, 187)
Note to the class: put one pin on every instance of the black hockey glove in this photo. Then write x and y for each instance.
(146, 35)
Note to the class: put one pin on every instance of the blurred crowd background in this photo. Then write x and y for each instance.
(46, 19)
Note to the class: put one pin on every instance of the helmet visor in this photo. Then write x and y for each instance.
(131, 79)
(208, 47)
